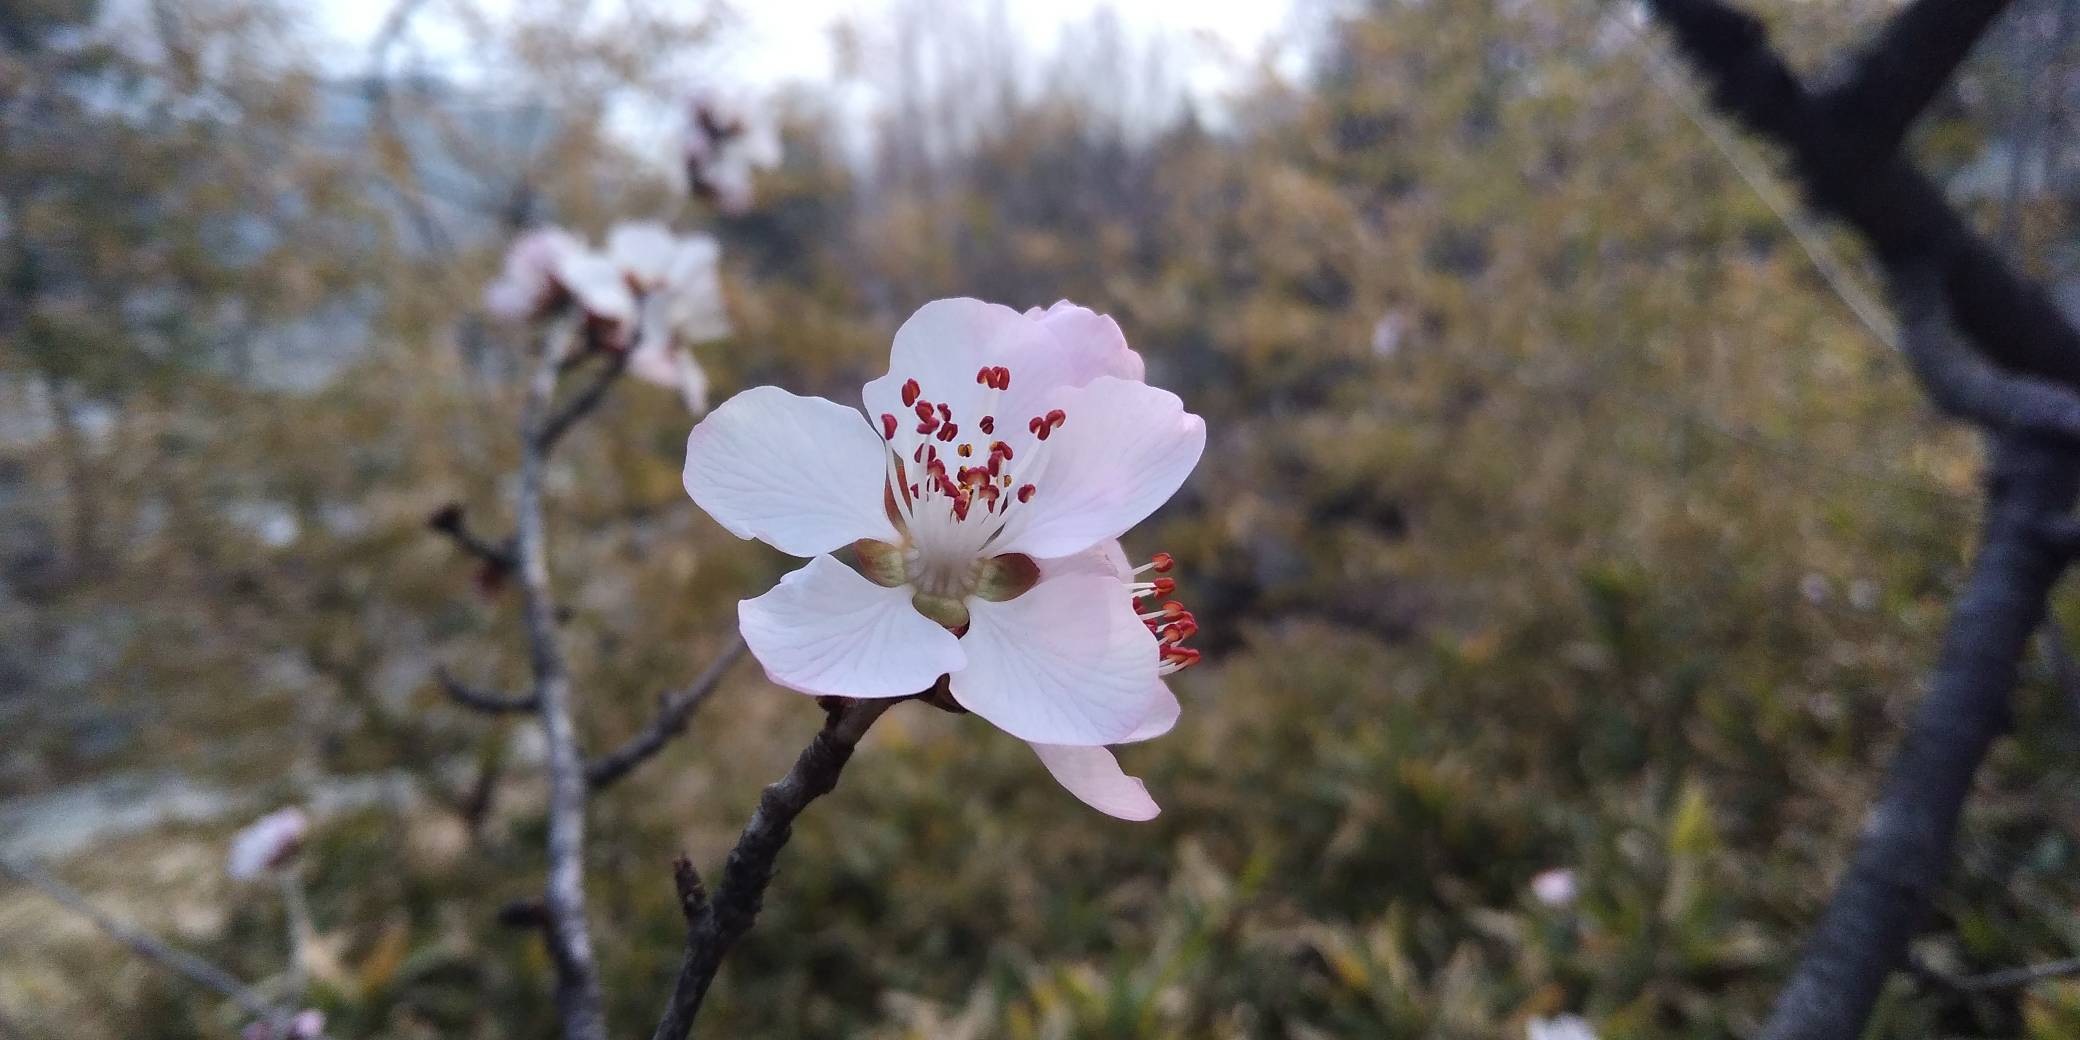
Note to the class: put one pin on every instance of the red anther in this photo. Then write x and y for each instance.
(1056, 417)
(913, 491)
(989, 424)
(918, 455)
(945, 413)
(1181, 630)
(949, 431)
(1043, 431)
(1162, 562)
(1165, 586)
(1025, 492)
(1169, 635)
(928, 426)
(986, 376)
(1034, 425)
(966, 450)
(996, 464)
(924, 410)
(1003, 378)
(1000, 448)
(1181, 656)
(910, 392)
(888, 427)
(1172, 608)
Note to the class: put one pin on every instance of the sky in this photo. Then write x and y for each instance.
(777, 42)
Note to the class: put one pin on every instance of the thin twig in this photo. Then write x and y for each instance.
(713, 926)
(581, 403)
(453, 521)
(479, 699)
(181, 962)
(674, 711)
(2016, 978)
(578, 995)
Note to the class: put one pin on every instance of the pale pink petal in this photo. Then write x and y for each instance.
(643, 251)
(802, 474)
(1123, 450)
(1066, 663)
(828, 631)
(598, 287)
(267, 843)
(947, 342)
(655, 360)
(1106, 557)
(691, 302)
(1093, 341)
(1162, 716)
(1093, 775)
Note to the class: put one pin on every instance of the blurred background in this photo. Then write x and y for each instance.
(1568, 546)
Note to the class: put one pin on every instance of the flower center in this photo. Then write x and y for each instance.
(955, 485)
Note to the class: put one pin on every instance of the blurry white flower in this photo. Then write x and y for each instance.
(307, 1024)
(527, 287)
(726, 144)
(1387, 334)
(680, 280)
(1560, 1027)
(983, 494)
(601, 290)
(267, 843)
(1815, 588)
(1863, 594)
(1556, 887)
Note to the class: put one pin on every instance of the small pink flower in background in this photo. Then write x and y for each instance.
(726, 144)
(527, 287)
(1556, 887)
(1559, 1027)
(268, 843)
(983, 494)
(679, 280)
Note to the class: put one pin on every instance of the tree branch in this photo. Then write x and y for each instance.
(715, 926)
(453, 521)
(187, 965)
(674, 711)
(1965, 384)
(578, 996)
(581, 403)
(2017, 377)
(478, 699)
(1900, 71)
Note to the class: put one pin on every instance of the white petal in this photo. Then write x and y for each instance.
(598, 286)
(802, 474)
(1066, 663)
(947, 342)
(1093, 342)
(1162, 716)
(826, 630)
(1106, 557)
(1125, 448)
(1093, 774)
(655, 360)
(643, 251)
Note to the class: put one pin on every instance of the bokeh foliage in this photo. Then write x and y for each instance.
(1557, 512)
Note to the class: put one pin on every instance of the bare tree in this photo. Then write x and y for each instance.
(1989, 347)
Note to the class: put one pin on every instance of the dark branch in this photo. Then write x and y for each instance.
(1900, 71)
(145, 945)
(451, 520)
(486, 701)
(674, 711)
(581, 403)
(1965, 384)
(714, 926)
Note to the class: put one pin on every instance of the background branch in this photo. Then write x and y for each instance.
(149, 947)
(713, 926)
(478, 699)
(578, 996)
(674, 711)
(581, 403)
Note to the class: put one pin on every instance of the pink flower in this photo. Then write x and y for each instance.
(267, 843)
(307, 1024)
(1555, 888)
(679, 281)
(726, 144)
(527, 288)
(1559, 1027)
(999, 461)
